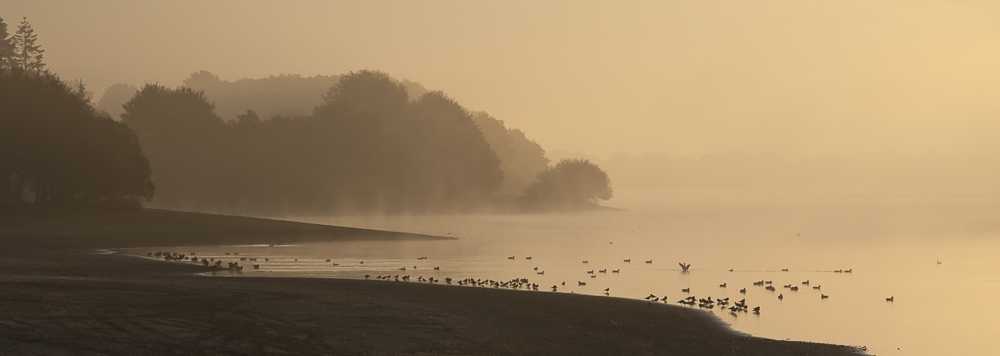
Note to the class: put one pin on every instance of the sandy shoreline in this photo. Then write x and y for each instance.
(59, 297)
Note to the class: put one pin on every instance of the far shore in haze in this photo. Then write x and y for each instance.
(58, 297)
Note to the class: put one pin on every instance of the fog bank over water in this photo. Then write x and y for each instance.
(741, 171)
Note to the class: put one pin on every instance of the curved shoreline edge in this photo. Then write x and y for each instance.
(57, 299)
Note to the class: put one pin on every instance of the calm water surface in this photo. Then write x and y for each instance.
(891, 243)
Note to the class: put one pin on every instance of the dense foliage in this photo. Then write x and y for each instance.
(572, 183)
(55, 150)
(366, 148)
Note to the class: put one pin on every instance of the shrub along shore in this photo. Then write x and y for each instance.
(57, 296)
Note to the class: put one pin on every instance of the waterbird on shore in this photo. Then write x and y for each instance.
(606, 289)
(368, 276)
(893, 298)
(256, 266)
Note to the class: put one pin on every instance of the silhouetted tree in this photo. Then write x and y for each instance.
(521, 158)
(572, 183)
(114, 97)
(6, 47)
(367, 148)
(27, 53)
(183, 139)
(55, 149)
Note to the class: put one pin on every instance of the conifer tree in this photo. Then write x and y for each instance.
(6, 47)
(27, 54)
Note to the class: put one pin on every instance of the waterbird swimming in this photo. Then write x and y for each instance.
(823, 296)
(650, 261)
(744, 291)
(614, 271)
(784, 270)
(817, 287)
(528, 258)
(686, 290)
(684, 266)
(806, 282)
(510, 258)
(781, 296)
(722, 285)
(890, 299)
(630, 261)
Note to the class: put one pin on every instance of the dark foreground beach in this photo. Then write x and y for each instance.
(60, 295)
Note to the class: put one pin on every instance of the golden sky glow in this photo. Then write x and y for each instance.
(685, 77)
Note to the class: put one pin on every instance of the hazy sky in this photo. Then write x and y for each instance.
(683, 77)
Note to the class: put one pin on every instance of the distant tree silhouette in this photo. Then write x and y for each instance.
(521, 158)
(6, 47)
(572, 183)
(27, 53)
(366, 148)
(114, 97)
(55, 150)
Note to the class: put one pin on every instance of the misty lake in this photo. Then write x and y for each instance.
(891, 244)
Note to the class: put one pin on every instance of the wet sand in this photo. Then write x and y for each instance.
(60, 295)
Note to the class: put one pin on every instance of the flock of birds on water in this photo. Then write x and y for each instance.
(519, 283)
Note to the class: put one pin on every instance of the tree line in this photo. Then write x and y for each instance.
(373, 144)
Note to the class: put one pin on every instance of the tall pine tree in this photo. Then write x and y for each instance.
(6, 47)
(27, 54)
